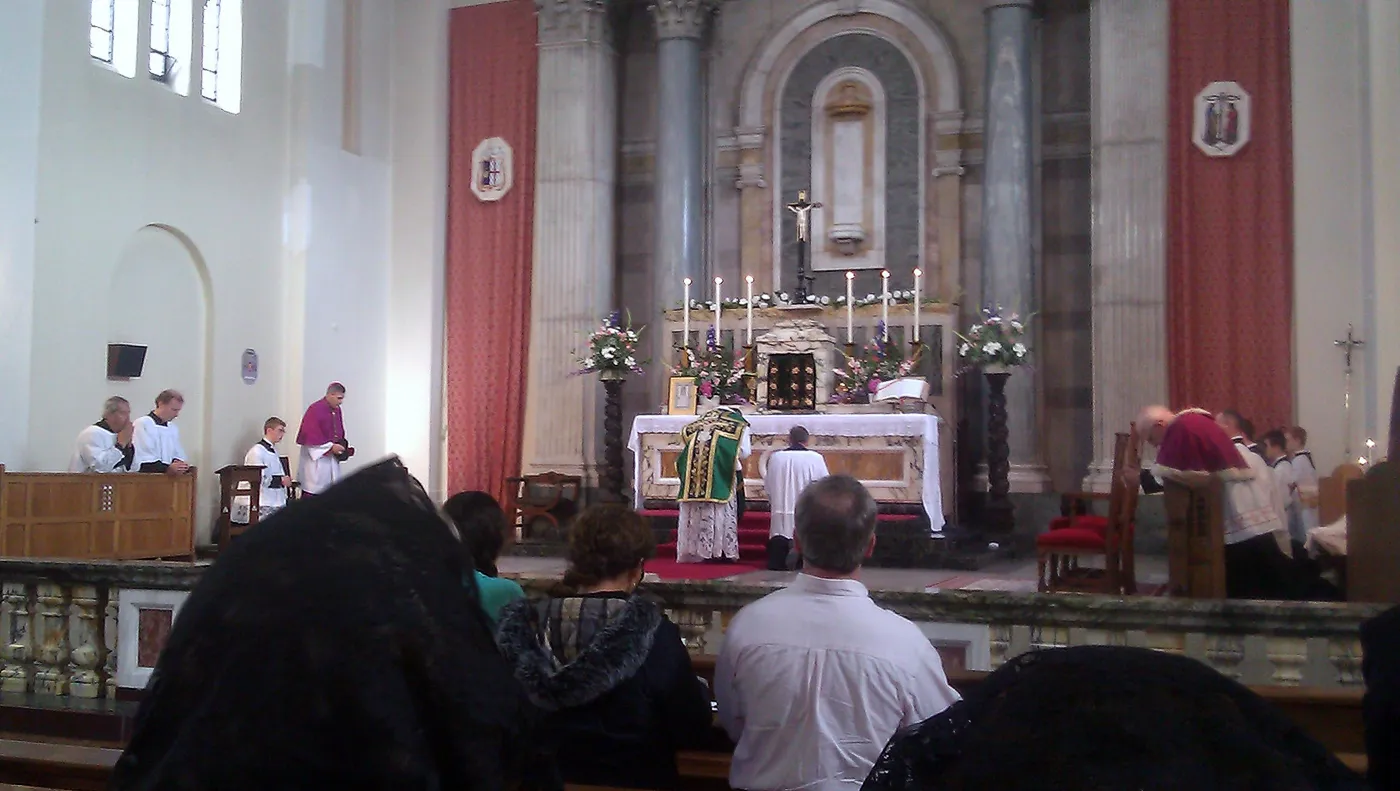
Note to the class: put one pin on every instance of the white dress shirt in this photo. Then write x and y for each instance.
(813, 680)
(788, 473)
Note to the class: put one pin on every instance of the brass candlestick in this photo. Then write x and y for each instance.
(916, 352)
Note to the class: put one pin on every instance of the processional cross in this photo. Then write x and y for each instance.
(1348, 345)
(802, 208)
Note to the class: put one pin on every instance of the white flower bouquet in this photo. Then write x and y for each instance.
(995, 340)
(612, 348)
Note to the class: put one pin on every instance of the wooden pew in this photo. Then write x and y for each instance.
(87, 516)
(1373, 523)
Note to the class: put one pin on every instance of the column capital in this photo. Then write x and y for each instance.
(575, 21)
(682, 18)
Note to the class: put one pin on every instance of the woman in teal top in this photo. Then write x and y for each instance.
(482, 523)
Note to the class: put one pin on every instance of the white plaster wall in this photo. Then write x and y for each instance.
(1328, 178)
(1382, 287)
(116, 155)
(21, 38)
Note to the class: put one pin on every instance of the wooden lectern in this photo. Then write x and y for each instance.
(1196, 540)
(237, 480)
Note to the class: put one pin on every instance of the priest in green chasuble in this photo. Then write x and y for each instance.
(716, 444)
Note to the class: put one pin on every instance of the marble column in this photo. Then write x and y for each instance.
(1128, 115)
(574, 243)
(1009, 277)
(680, 135)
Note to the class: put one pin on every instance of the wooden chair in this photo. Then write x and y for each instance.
(553, 496)
(235, 481)
(1059, 552)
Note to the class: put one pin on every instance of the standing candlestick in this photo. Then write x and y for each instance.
(850, 308)
(918, 297)
(885, 304)
(685, 323)
(748, 331)
(719, 306)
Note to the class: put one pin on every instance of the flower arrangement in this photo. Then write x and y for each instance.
(612, 349)
(995, 340)
(718, 370)
(783, 299)
(879, 361)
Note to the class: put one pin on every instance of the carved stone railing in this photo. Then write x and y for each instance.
(60, 622)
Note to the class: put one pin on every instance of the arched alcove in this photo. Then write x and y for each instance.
(163, 299)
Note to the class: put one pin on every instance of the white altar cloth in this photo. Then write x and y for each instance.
(820, 425)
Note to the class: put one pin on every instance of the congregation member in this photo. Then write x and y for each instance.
(340, 651)
(481, 524)
(605, 664)
(156, 438)
(1109, 718)
(789, 472)
(1193, 449)
(1305, 473)
(714, 448)
(105, 446)
(1275, 447)
(323, 444)
(275, 480)
(813, 680)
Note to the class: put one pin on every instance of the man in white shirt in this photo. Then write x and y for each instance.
(813, 680)
(789, 471)
(157, 439)
(106, 445)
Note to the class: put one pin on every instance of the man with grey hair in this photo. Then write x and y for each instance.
(105, 446)
(812, 681)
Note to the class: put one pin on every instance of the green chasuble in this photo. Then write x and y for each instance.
(709, 460)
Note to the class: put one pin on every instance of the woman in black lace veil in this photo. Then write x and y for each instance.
(335, 646)
(1100, 718)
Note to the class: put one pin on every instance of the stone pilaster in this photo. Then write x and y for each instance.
(574, 243)
(1129, 120)
(1007, 259)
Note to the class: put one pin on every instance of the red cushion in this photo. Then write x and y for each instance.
(1071, 537)
(1088, 521)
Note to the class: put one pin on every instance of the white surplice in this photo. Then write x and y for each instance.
(318, 470)
(96, 451)
(270, 498)
(1305, 474)
(788, 473)
(1286, 486)
(710, 531)
(156, 442)
(1253, 507)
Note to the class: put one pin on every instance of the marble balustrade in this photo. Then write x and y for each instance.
(82, 629)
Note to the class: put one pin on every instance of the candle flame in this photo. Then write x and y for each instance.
(719, 280)
(918, 272)
(749, 278)
(1361, 460)
(687, 281)
(885, 274)
(1370, 443)
(850, 275)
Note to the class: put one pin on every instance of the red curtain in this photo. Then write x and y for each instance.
(1230, 219)
(492, 87)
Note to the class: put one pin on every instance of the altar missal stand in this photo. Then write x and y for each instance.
(237, 482)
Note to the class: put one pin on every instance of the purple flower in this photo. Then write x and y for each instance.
(615, 319)
(710, 340)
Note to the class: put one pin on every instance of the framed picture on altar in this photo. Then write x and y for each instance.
(684, 395)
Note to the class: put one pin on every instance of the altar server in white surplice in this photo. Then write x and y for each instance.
(789, 472)
(1286, 485)
(275, 480)
(106, 445)
(157, 438)
(1305, 474)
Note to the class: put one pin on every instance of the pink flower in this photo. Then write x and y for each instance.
(707, 388)
(874, 385)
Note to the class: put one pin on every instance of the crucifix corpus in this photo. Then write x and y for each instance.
(1348, 344)
(802, 208)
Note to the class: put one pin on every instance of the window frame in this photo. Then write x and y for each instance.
(165, 75)
(209, 76)
(110, 33)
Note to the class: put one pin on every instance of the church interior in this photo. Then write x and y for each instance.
(557, 251)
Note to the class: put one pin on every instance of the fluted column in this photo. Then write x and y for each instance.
(575, 177)
(1008, 272)
(1128, 43)
(679, 210)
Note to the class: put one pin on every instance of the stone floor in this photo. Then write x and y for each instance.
(1010, 575)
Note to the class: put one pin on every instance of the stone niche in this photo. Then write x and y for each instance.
(798, 336)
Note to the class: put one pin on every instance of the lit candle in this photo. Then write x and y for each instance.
(918, 297)
(885, 303)
(748, 332)
(719, 307)
(1370, 451)
(685, 325)
(850, 307)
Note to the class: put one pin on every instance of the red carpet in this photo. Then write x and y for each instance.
(666, 567)
(753, 550)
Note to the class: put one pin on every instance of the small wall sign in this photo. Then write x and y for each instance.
(250, 366)
(492, 169)
(1222, 119)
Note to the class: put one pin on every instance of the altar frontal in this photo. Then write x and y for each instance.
(895, 456)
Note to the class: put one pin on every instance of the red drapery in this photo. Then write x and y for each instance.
(1230, 219)
(492, 87)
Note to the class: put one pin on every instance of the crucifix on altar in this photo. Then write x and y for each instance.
(1348, 345)
(802, 208)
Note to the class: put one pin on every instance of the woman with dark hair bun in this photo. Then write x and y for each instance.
(604, 663)
(482, 525)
